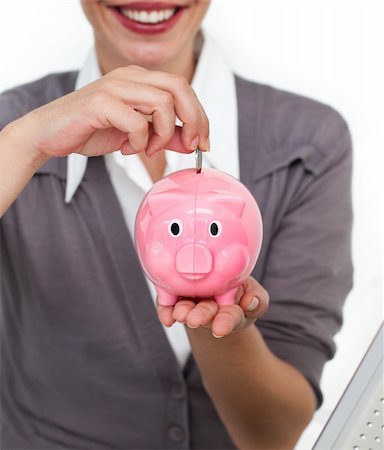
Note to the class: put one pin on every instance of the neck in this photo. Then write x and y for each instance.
(182, 64)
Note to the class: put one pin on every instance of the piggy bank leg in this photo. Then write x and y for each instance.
(226, 299)
(164, 298)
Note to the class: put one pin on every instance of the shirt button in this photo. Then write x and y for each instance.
(177, 391)
(176, 433)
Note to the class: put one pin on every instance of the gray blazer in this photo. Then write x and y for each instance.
(85, 362)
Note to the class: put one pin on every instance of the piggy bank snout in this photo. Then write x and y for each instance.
(194, 258)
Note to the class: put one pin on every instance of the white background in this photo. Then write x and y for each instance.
(331, 50)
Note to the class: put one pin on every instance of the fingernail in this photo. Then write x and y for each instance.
(194, 143)
(254, 304)
(190, 326)
(216, 336)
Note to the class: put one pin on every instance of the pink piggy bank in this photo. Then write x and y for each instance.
(198, 235)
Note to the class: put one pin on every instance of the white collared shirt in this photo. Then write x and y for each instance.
(214, 85)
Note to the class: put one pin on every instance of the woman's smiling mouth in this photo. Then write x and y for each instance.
(147, 17)
(151, 17)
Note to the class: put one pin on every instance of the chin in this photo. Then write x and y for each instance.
(148, 56)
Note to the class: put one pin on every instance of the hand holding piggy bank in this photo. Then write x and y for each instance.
(198, 235)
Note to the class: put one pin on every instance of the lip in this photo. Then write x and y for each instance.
(143, 28)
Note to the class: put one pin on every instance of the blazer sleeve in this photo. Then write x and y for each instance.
(308, 271)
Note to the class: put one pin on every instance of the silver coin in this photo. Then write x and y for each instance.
(198, 160)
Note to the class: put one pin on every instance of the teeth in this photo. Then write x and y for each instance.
(151, 17)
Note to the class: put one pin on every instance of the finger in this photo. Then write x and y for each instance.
(202, 313)
(174, 144)
(227, 319)
(154, 103)
(165, 315)
(181, 310)
(163, 123)
(162, 132)
(187, 106)
(239, 294)
(254, 300)
(109, 112)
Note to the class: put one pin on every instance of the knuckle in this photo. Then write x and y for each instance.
(119, 72)
(140, 126)
(181, 83)
(116, 73)
(208, 308)
(112, 76)
(164, 126)
(166, 99)
(164, 138)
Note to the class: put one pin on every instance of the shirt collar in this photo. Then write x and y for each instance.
(214, 84)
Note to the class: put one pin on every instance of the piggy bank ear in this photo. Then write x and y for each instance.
(162, 200)
(232, 202)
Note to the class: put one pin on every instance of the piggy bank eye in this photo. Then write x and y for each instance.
(175, 228)
(215, 228)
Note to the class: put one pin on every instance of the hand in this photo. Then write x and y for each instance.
(130, 109)
(251, 303)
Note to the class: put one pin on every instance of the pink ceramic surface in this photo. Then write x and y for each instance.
(198, 235)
